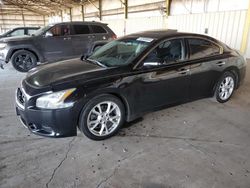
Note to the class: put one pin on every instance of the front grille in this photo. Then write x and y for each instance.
(20, 96)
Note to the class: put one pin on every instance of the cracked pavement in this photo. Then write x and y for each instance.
(198, 144)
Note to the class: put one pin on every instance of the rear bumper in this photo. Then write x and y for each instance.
(49, 123)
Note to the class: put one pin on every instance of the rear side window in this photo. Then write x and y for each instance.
(98, 29)
(81, 29)
(31, 31)
(200, 48)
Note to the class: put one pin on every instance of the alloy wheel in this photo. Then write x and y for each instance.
(24, 62)
(104, 118)
(226, 88)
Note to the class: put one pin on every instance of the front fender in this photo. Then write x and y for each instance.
(30, 48)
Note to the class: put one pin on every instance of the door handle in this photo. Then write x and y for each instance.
(183, 71)
(220, 63)
(66, 38)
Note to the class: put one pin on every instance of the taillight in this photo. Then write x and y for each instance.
(114, 36)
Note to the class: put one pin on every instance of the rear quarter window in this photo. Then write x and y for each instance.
(98, 29)
(200, 48)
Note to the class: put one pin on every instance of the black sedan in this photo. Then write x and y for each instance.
(125, 79)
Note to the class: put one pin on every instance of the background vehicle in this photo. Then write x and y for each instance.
(53, 43)
(19, 31)
(125, 79)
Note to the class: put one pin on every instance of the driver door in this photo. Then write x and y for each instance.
(58, 45)
(165, 79)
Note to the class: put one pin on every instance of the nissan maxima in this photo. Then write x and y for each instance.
(125, 79)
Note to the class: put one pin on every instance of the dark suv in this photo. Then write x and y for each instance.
(55, 42)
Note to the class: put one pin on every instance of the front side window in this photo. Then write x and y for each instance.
(167, 52)
(17, 32)
(60, 30)
(56, 30)
(98, 29)
(200, 48)
(42, 30)
(81, 29)
(120, 52)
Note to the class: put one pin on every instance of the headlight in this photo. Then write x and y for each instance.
(2, 45)
(55, 100)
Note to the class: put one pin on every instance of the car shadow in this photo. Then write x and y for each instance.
(131, 123)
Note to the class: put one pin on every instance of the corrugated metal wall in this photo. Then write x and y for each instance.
(225, 26)
(10, 21)
(123, 27)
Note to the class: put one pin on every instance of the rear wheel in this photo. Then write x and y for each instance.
(225, 87)
(23, 60)
(102, 117)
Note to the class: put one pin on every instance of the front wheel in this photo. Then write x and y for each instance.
(23, 60)
(225, 87)
(102, 117)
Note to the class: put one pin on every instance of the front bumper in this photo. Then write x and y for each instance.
(3, 57)
(50, 123)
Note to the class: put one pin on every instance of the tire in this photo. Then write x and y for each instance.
(94, 115)
(225, 87)
(23, 60)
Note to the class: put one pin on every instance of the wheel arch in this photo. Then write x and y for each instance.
(235, 71)
(124, 102)
(115, 94)
(35, 52)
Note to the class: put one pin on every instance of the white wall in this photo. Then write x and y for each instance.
(247, 54)
(201, 6)
(123, 27)
(224, 26)
(10, 21)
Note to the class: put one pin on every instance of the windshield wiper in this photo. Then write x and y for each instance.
(96, 62)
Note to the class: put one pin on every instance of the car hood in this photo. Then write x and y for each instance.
(62, 72)
(16, 38)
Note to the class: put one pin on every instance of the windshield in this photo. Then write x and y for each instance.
(42, 30)
(120, 52)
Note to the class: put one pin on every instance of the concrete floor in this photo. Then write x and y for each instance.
(199, 144)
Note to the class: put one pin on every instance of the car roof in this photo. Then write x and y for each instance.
(24, 27)
(154, 33)
(165, 33)
(81, 22)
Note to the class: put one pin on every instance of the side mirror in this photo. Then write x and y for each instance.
(84, 57)
(48, 34)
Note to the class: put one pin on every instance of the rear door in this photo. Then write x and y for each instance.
(206, 62)
(81, 39)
